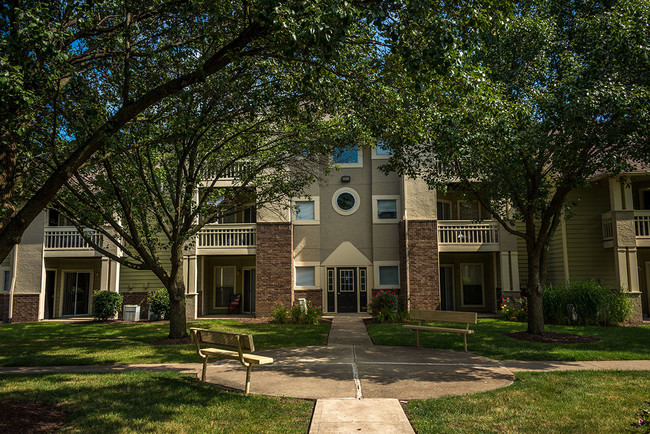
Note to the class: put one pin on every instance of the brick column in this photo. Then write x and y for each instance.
(274, 258)
(25, 307)
(419, 266)
(4, 307)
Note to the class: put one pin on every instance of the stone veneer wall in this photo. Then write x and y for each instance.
(274, 258)
(139, 298)
(4, 307)
(423, 273)
(25, 307)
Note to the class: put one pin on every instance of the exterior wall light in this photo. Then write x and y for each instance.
(345, 178)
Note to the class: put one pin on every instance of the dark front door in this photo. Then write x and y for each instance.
(50, 280)
(249, 290)
(346, 290)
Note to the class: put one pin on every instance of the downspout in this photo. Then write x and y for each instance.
(12, 286)
(406, 246)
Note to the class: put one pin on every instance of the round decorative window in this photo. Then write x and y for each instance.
(345, 201)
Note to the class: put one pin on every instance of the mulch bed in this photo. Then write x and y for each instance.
(553, 338)
(30, 417)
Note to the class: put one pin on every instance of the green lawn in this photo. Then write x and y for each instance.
(617, 343)
(51, 344)
(155, 402)
(571, 402)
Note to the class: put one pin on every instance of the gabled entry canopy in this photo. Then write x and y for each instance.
(346, 254)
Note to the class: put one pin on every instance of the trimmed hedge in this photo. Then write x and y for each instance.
(106, 304)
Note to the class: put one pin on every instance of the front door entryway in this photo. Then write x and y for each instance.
(76, 293)
(446, 287)
(346, 293)
(249, 290)
(50, 281)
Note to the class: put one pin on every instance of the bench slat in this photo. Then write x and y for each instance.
(439, 329)
(226, 354)
(444, 316)
(225, 339)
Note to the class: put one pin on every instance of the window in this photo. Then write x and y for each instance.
(346, 156)
(444, 210)
(382, 148)
(330, 280)
(250, 215)
(6, 280)
(305, 210)
(363, 281)
(388, 275)
(387, 209)
(345, 201)
(471, 276)
(468, 210)
(305, 276)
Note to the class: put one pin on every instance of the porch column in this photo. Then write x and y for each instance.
(504, 262)
(104, 278)
(514, 267)
(114, 280)
(191, 287)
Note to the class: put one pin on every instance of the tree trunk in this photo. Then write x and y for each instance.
(177, 319)
(535, 293)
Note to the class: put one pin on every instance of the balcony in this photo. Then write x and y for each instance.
(67, 241)
(237, 170)
(468, 236)
(641, 228)
(227, 239)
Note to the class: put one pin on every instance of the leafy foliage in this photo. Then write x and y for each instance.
(385, 307)
(106, 304)
(592, 302)
(513, 309)
(158, 302)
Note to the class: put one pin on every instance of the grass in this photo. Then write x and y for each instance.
(617, 343)
(585, 401)
(155, 402)
(51, 344)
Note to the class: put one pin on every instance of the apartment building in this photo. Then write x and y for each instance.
(351, 234)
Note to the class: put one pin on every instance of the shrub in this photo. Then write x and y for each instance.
(513, 309)
(385, 307)
(642, 420)
(159, 303)
(297, 315)
(106, 304)
(313, 314)
(280, 314)
(593, 304)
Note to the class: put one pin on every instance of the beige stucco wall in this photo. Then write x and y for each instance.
(29, 272)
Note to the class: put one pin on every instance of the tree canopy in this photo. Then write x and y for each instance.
(543, 97)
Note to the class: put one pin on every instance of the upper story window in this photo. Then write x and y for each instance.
(55, 218)
(468, 210)
(348, 157)
(385, 209)
(306, 210)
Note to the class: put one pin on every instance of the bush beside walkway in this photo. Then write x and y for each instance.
(489, 340)
(88, 343)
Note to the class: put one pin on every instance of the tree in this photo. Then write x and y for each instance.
(75, 74)
(156, 185)
(545, 97)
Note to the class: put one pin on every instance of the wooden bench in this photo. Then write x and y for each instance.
(466, 318)
(236, 346)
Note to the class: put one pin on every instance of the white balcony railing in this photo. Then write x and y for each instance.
(608, 227)
(464, 233)
(227, 236)
(68, 238)
(642, 224)
(234, 171)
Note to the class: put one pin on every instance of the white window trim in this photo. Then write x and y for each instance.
(2, 279)
(375, 217)
(317, 274)
(451, 209)
(462, 289)
(316, 200)
(376, 156)
(358, 164)
(460, 202)
(376, 266)
(214, 284)
(346, 190)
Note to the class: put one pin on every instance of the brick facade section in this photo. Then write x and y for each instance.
(274, 266)
(4, 307)
(138, 298)
(313, 295)
(25, 308)
(423, 273)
